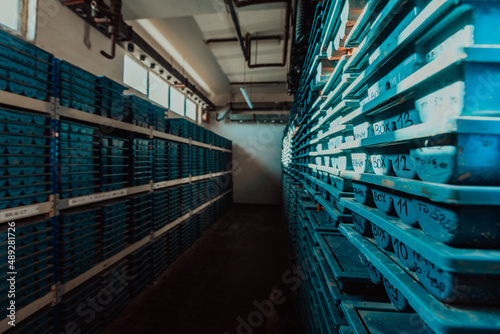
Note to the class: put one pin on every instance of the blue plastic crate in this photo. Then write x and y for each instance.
(404, 290)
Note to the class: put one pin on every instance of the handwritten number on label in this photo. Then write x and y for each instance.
(401, 159)
(402, 204)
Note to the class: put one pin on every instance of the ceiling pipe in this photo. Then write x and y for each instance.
(246, 43)
(236, 24)
(286, 33)
(82, 9)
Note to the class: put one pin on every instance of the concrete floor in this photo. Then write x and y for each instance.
(238, 261)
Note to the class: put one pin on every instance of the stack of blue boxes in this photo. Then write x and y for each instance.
(404, 143)
(174, 160)
(160, 254)
(114, 163)
(139, 111)
(140, 223)
(185, 160)
(196, 162)
(141, 268)
(174, 203)
(79, 160)
(141, 162)
(174, 246)
(186, 198)
(112, 102)
(161, 161)
(25, 69)
(78, 242)
(41, 322)
(161, 208)
(34, 261)
(159, 115)
(77, 88)
(76, 302)
(115, 280)
(188, 233)
(113, 228)
(25, 164)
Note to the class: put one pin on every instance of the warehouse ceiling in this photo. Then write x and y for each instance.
(190, 32)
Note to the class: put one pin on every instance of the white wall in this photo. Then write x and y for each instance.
(257, 159)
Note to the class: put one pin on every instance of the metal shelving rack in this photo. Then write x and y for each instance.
(54, 205)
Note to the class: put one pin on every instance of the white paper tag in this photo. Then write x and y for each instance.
(97, 197)
(19, 213)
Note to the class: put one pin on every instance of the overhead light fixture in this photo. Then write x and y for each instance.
(245, 95)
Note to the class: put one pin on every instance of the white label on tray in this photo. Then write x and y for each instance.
(97, 197)
(361, 131)
(443, 103)
(373, 93)
(461, 39)
(160, 185)
(403, 120)
(19, 213)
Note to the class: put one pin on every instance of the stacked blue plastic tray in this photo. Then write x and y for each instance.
(140, 111)
(174, 246)
(202, 192)
(78, 242)
(186, 198)
(185, 160)
(206, 162)
(141, 162)
(25, 164)
(140, 267)
(174, 203)
(202, 222)
(160, 255)
(114, 163)
(174, 160)
(112, 102)
(161, 160)
(179, 127)
(210, 137)
(77, 88)
(187, 233)
(40, 322)
(159, 115)
(160, 208)
(113, 228)
(115, 279)
(78, 159)
(409, 126)
(69, 310)
(216, 161)
(198, 133)
(196, 162)
(25, 69)
(140, 223)
(34, 261)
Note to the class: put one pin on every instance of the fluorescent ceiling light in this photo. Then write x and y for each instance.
(245, 95)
